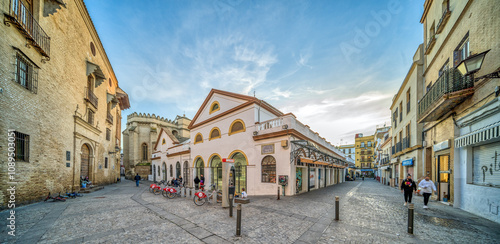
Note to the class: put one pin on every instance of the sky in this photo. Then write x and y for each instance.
(336, 65)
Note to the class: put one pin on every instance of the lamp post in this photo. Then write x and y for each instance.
(472, 64)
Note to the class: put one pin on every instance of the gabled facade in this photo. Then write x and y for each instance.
(264, 142)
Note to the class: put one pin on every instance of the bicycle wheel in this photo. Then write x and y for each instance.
(156, 191)
(150, 189)
(170, 195)
(164, 193)
(198, 201)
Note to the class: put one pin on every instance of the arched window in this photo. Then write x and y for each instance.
(214, 107)
(200, 167)
(171, 171)
(237, 126)
(240, 165)
(198, 138)
(145, 151)
(177, 170)
(269, 169)
(163, 141)
(186, 174)
(214, 133)
(163, 171)
(216, 167)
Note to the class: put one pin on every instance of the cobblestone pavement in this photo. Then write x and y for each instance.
(369, 213)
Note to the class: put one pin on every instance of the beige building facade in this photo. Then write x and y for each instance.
(406, 131)
(60, 100)
(453, 31)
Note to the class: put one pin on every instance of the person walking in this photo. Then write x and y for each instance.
(137, 178)
(408, 186)
(428, 188)
(196, 182)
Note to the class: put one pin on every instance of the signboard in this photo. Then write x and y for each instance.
(408, 162)
(267, 149)
(228, 160)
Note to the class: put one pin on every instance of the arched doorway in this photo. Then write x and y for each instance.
(163, 171)
(240, 165)
(186, 174)
(85, 161)
(177, 170)
(200, 167)
(216, 167)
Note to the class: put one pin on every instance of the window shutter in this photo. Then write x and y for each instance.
(456, 58)
(34, 81)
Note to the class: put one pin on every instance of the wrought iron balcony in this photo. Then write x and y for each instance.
(447, 92)
(399, 147)
(91, 97)
(393, 150)
(444, 19)
(406, 143)
(109, 118)
(21, 17)
(430, 44)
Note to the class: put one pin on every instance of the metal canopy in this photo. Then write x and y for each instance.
(307, 148)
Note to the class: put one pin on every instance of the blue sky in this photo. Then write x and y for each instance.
(335, 64)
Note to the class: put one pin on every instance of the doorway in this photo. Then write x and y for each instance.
(85, 161)
(444, 177)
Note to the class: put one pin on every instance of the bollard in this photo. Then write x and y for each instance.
(410, 218)
(337, 207)
(278, 193)
(238, 220)
(230, 205)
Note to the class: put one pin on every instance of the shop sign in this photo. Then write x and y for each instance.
(267, 149)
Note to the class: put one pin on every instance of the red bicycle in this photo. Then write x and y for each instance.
(201, 197)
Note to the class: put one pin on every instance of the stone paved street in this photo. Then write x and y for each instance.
(123, 213)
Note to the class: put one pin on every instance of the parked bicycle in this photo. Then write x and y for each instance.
(54, 199)
(158, 188)
(201, 197)
(172, 192)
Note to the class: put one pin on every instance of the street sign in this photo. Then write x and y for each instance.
(228, 160)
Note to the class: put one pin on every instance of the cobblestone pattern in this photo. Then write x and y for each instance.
(369, 213)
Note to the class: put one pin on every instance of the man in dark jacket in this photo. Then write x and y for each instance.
(137, 179)
(408, 186)
(196, 182)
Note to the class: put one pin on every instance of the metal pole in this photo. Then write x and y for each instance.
(278, 193)
(238, 220)
(231, 205)
(410, 218)
(337, 207)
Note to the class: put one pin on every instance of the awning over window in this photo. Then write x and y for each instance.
(408, 162)
(97, 71)
(122, 98)
(484, 134)
(112, 99)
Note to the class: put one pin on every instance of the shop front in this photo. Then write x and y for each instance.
(408, 167)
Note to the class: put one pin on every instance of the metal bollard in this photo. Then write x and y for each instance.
(278, 193)
(410, 218)
(230, 205)
(238, 220)
(337, 208)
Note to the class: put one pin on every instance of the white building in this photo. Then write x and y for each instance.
(265, 143)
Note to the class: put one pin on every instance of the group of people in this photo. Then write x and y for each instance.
(408, 187)
(199, 183)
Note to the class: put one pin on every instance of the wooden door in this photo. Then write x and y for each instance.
(85, 160)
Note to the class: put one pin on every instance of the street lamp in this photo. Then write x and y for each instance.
(472, 64)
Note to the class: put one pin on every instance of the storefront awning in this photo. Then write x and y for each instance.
(408, 162)
(310, 161)
(123, 98)
(484, 134)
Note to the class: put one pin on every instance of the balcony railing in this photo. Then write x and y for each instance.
(399, 147)
(91, 97)
(406, 143)
(430, 44)
(278, 122)
(444, 19)
(451, 81)
(21, 17)
(110, 118)
(393, 150)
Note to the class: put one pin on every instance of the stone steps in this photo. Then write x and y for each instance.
(91, 189)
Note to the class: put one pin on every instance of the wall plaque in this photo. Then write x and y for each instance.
(267, 149)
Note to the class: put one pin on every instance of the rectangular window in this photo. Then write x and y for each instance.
(444, 68)
(462, 51)
(26, 73)
(362, 144)
(428, 87)
(90, 116)
(108, 134)
(400, 111)
(408, 101)
(369, 144)
(22, 147)
(106, 162)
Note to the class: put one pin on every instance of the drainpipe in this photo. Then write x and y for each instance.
(74, 150)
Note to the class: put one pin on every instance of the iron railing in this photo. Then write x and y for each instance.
(20, 15)
(91, 97)
(444, 18)
(398, 147)
(393, 150)
(450, 81)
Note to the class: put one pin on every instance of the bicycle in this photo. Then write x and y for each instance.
(158, 189)
(54, 199)
(201, 198)
(172, 192)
